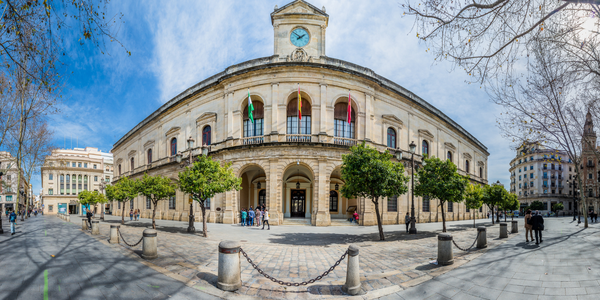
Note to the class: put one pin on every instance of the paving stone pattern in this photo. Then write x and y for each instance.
(404, 261)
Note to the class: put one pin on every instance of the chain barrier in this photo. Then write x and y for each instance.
(261, 272)
(468, 249)
(122, 238)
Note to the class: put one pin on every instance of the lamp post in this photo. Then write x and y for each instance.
(578, 214)
(187, 163)
(101, 187)
(412, 148)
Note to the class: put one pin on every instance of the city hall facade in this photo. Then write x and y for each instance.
(293, 165)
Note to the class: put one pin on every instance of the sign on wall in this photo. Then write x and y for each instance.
(62, 208)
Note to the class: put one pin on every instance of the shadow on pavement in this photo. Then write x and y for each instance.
(322, 239)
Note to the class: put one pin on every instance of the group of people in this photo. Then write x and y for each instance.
(134, 215)
(593, 217)
(534, 221)
(256, 216)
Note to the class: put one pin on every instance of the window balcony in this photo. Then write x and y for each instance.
(545, 177)
(253, 140)
(298, 138)
(344, 141)
(590, 164)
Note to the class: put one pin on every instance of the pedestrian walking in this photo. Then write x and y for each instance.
(528, 226)
(244, 215)
(137, 214)
(131, 215)
(251, 216)
(13, 222)
(266, 219)
(407, 221)
(89, 215)
(258, 216)
(538, 225)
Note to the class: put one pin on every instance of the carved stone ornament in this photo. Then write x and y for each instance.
(299, 10)
(299, 55)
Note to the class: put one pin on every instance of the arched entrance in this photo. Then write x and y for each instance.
(297, 190)
(253, 192)
(339, 206)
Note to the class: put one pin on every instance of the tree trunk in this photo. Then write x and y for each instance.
(473, 222)
(204, 227)
(443, 216)
(492, 213)
(153, 214)
(123, 214)
(379, 226)
(504, 215)
(497, 216)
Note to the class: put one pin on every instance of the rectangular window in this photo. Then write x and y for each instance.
(148, 203)
(73, 165)
(207, 203)
(519, 185)
(253, 129)
(343, 129)
(95, 178)
(95, 166)
(590, 176)
(468, 210)
(172, 202)
(7, 177)
(481, 208)
(530, 167)
(531, 175)
(519, 170)
(531, 184)
(50, 192)
(392, 204)
(292, 125)
(79, 165)
(50, 207)
(119, 205)
(131, 204)
(85, 165)
(450, 206)
(519, 177)
(51, 176)
(545, 191)
(8, 198)
(425, 204)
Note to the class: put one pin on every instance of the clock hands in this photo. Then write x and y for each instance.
(295, 33)
(299, 37)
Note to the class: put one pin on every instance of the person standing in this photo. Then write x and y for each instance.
(258, 216)
(89, 217)
(528, 226)
(251, 216)
(538, 225)
(266, 219)
(244, 215)
(13, 222)
(407, 221)
(131, 215)
(137, 214)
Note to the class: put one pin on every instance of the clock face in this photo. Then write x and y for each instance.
(299, 37)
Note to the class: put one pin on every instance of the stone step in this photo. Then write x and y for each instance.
(342, 222)
(296, 221)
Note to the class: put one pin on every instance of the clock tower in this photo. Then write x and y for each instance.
(299, 29)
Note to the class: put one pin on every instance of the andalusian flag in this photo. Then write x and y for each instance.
(250, 107)
(349, 108)
(299, 104)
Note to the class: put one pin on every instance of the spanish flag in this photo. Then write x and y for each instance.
(299, 104)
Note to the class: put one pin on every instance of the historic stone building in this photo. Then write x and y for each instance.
(589, 168)
(9, 190)
(67, 172)
(542, 174)
(292, 165)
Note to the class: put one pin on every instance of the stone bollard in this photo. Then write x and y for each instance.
(515, 227)
(481, 238)
(352, 285)
(229, 278)
(445, 255)
(68, 218)
(84, 224)
(149, 245)
(114, 236)
(95, 228)
(503, 230)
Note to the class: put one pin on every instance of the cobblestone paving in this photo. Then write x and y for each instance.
(386, 266)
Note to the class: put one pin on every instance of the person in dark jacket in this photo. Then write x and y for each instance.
(89, 216)
(537, 221)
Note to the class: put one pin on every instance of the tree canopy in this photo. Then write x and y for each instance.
(371, 174)
(124, 190)
(156, 188)
(474, 197)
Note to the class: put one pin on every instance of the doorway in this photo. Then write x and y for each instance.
(298, 203)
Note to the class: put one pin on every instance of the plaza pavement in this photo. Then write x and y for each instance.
(565, 266)
(298, 253)
(50, 259)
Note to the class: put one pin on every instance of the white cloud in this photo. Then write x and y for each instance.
(194, 40)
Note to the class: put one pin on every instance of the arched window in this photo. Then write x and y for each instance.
(481, 172)
(206, 134)
(295, 126)
(262, 197)
(131, 162)
(449, 156)
(391, 138)
(467, 166)
(333, 201)
(341, 128)
(425, 148)
(173, 146)
(119, 170)
(149, 156)
(254, 128)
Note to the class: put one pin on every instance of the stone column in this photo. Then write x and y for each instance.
(352, 285)
(275, 214)
(368, 120)
(229, 102)
(95, 228)
(230, 213)
(445, 255)
(503, 230)
(149, 244)
(481, 238)
(274, 110)
(323, 111)
(515, 227)
(114, 236)
(84, 224)
(229, 277)
(321, 189)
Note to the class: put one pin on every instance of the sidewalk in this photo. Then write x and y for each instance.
(50, 259)
(298, 253)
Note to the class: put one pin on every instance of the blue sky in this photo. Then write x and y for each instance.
(177, 45)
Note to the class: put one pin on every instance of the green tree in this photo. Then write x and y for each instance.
(509, 202)
(474, 198)
(537, 205)
(203, 180)
(557, 206)
(371, 174)
(493, 195)
(89, 199)
(440, 180)
(156, 188)
(123, 191)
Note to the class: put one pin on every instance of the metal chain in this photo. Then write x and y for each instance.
(261, 272)
(468, 249)
(122, 238)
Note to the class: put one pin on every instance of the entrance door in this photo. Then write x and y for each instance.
(298, 203)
